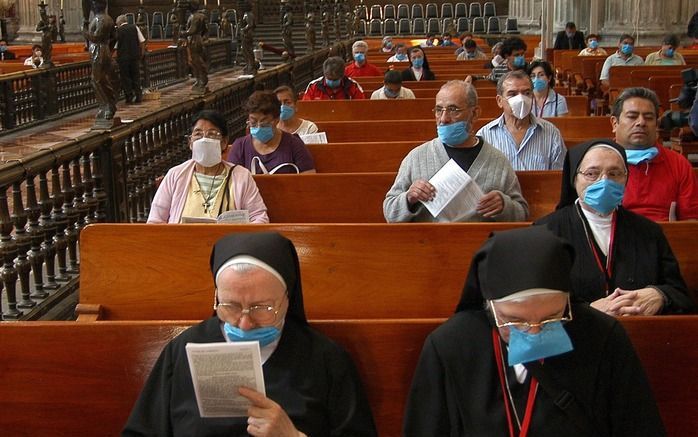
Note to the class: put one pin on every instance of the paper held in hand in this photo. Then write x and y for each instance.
(456, 196)
(316, 138)
(218, 370)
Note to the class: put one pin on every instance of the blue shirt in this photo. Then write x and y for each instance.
(542, 147)
(555, 106)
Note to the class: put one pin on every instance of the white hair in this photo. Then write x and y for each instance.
(359, 43)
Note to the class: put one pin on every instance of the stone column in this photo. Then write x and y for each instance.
(647, 20)
(576, 11)
(528, 13)
(28, 13)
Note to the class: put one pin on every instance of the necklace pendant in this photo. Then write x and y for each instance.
(207, 207)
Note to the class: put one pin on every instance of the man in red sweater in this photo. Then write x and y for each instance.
(661, 184)
(333, 84)
(360, 67)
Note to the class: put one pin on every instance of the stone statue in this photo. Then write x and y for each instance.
(142, 21)
(195, 32)
(61, 27)
(310, 31)
(174, 23)
(325, 29)
(101, 34)
(47, 35)
(287, 33)
(247, 28)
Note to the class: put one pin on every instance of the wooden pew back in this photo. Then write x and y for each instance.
(341, 264)
(64, 378)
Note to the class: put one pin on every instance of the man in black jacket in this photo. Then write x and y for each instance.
(129, 50)
(570, 38)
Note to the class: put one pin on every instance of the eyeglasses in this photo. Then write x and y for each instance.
(197, 134)
(593, 174)
(452, 111)
(232, 312)
(259, 124)
(526, 326)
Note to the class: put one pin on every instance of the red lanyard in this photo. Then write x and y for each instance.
(608, 270)
(532, 391)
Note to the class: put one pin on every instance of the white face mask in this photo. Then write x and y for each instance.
(520, 105)
(206, 152)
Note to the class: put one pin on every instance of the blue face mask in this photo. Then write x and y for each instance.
(453, 134)
(264, 335)
(3, 48)
(418, 62)
(359, 57)
(287, 112)
(389, 93)
(626, 49)
(333, 83)
(539, 84)
(594, 44)
(262, 134)
(604, 195)
(550, 341)
(669, 52)
(401, 57)
(636, 156)
(519, 61)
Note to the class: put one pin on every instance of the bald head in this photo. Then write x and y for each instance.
(459, 91)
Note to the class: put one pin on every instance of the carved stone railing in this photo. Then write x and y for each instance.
(47, 198)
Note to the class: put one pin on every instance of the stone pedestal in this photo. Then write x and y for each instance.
(28, 14)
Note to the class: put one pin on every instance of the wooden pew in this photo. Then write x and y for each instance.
(82, 379)
(412, 84)
(407, 109)
(622, 77)
(573, 129)
(161, 272)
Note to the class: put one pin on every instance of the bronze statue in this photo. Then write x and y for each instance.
(287, 34)
(182, 8)
(47, 35)
(348, 19)
(325, 29)
(337, 20)
(356, 23)
(174, 24)
(101, 33)
(195, 32)
(247, 27)
(226, 25)
(142, 22)
(61, 27)
(310, 31)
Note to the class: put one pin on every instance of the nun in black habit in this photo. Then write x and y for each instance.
(482, 373)
(308, 376)
(623, 264)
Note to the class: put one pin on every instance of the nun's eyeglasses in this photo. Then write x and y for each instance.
(526, 326)
(232, 312)
(593, 174)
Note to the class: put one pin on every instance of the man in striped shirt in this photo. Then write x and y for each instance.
(529, 142)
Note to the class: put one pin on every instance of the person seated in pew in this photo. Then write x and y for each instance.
(35, 60)
(312, 386)
(456, 111)
(513, 58)
(529, 142)
(387, 44)
(431, 41)
(569, 39)
(333, 84)
(470, 52)
(446, 40)
(5, 53)
(661, 183)
(593, 48)
(400, 54)
(289, 121)
(419, 66)
(521, 357)
(360, 67)
(667, 54)
(268, 149)
(497, 58)
(623, 264)
(623, 57)
(392, 88)
(465, 36)
(206, 186)
(546, 102)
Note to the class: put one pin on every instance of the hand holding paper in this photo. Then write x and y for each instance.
(266, 417)
(456, 194)
(420, 191)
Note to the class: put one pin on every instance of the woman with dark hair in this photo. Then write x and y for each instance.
(419, 66)
(624, 264)
(289, 121)
(312, 387)
(267, 149)
(206, 186)
(546, 102)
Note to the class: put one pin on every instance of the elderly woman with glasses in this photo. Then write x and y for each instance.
(205, 186)
(312, 387)
(268, 149)
(520, 357)
(624, 264)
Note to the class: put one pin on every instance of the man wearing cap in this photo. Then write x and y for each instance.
(312, 387)
(517, 343)
(360, 67)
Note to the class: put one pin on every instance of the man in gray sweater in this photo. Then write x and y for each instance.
(455, 111)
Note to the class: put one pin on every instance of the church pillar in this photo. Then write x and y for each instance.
(528, 13)
(28, 13)
(576, 11)
(647, 20)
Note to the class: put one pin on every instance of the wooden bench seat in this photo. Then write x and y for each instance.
(82, 379)
(161, 272)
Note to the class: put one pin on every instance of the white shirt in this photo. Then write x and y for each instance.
(405, 93)
(306, 127)
(30, 62)
(395, 59)
(600, 228)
